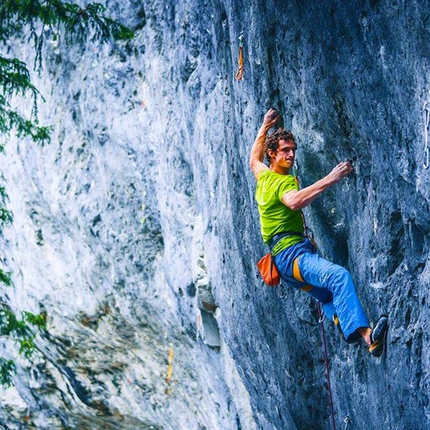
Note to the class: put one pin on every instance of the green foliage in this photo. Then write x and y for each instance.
(7, 372)
(77, 23)
(36, 18)
(21, 332)
(15, 77)
(10, 325)
(77, 20)
(6, 217)
(36, 320)
(27, 346)
(11, 120)
(5, 278)
(15, 80)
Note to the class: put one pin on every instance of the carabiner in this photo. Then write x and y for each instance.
(347, 420)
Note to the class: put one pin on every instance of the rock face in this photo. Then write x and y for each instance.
(137, 232)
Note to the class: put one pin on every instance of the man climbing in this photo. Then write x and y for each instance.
(280, 203)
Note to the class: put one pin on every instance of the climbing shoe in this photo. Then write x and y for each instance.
(378, 336)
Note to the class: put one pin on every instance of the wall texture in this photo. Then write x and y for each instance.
(136, 228)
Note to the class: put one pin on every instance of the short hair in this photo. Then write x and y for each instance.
(272, 141)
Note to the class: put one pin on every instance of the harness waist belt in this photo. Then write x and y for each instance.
(277, 237)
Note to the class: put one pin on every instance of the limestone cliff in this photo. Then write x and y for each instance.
(136, 229)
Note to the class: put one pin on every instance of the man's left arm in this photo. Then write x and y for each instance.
(297, 200)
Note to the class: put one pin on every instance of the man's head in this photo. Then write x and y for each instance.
(279, 145)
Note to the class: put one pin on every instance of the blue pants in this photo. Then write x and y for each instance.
(332, 286)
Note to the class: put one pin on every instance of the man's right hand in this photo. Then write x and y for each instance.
(271, 117)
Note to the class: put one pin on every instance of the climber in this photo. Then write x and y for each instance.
(280, 205)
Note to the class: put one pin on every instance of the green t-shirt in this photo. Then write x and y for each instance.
(275, 217)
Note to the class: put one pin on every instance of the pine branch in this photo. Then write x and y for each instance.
(77, 23)
(7, 372)
(15, 77)
(6, 217)
(15, 80)
(12, 120)
(3, 195)
(5, 278)
(14, 14)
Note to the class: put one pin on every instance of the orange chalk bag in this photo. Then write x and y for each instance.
(268, 271)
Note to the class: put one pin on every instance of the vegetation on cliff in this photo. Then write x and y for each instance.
(41, 19)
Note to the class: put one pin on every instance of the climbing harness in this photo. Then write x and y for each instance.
(426, 114)
(239, 71)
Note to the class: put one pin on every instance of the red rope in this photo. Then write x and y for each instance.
(320, 317)
(327, 370)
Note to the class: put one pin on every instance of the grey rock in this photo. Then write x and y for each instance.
(139, 217)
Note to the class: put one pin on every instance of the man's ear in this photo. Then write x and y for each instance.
(271, 153)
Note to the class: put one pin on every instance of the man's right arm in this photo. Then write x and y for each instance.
(258, 149)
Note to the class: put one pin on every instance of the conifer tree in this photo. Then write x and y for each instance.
(34, 17)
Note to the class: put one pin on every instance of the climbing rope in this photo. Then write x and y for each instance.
(320, 320)
(327, 370)
(426, 114)
(239, 71)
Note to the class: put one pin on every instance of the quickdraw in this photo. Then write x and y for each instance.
(239, 71)
(426, 114)
(347, 421)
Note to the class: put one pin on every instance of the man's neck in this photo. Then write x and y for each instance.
(280, 170)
